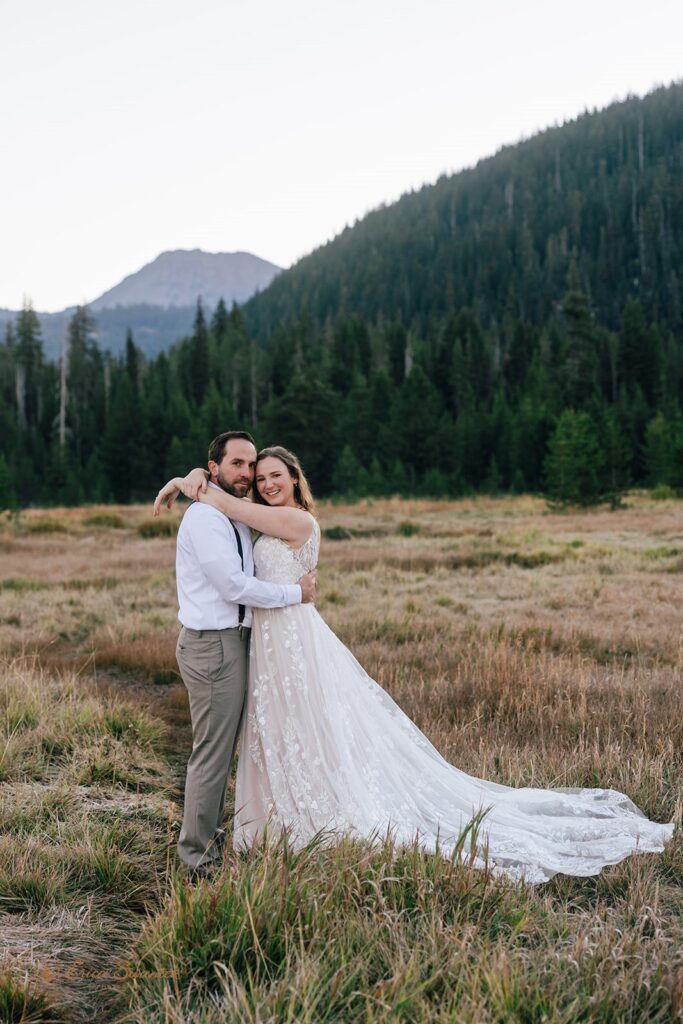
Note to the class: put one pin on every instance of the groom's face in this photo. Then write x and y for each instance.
(235, 472)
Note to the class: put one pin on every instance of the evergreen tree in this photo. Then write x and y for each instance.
(133, 358)
(399, 480)
(8, 497)
(658, 450)
(397, 342)
(575, 465)
(199, 358)
(416, 420)
(663, 450)
(638, 361)
(377, 482)
(303, 419)
(84, 400)
(220, 321)
(65, 485)
(121, 439)
(347, 474)
(382, 401)
(581, 358)
(341, 358)
(434, 484)
(28, 356)
(615, 456)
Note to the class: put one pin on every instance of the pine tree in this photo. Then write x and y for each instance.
(397, 342)
(399, 480)
(615, 454)
(199, 357)
(581, 352)
(347, 474)
(416, 420)
(663, 450)
(28, 363)
(574, 466)
(377, 483)
(434, 484)
(638, 359)
(341, 358)
(657, 450)
(8, 497)
(304, 419)
(220, 321)
(133, 357)
(84, 395)
(120, 440)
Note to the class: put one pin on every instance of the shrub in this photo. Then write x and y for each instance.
(337, 533)
(662, 492)
(164, 526)
(106, 521)
(46, 525)
(407, 529)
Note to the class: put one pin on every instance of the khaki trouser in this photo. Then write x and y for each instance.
(213, 664)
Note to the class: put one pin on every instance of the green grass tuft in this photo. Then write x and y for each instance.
(407, 529)
(21, 1002)
(164, 526)
(106, 521)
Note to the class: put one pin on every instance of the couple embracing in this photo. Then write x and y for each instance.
(324, 749)
(220, 602)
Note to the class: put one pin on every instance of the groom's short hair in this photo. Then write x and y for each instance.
(219, 444)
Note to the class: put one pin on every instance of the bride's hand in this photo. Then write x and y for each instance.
(194, 484)
(168, 493)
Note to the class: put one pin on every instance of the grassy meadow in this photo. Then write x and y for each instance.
(533, 648)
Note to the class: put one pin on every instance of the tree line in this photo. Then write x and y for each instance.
(570, 408)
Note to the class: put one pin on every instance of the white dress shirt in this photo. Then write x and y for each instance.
(209, 575)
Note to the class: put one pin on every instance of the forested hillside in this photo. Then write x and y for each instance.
(516, 326)
(594, 205)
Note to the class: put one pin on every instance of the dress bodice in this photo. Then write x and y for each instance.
(276, 562)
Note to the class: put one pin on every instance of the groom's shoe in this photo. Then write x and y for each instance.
(206, 870)
(220, 838)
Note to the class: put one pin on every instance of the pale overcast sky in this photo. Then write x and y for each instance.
(135, 126)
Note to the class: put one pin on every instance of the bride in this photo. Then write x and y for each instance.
(325, 748)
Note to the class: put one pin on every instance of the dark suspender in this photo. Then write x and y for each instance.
(239, 548)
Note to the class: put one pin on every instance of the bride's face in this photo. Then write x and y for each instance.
(273, 482)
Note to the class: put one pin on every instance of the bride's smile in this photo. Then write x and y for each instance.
(274, 483)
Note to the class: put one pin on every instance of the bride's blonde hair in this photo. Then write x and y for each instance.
(302, 491)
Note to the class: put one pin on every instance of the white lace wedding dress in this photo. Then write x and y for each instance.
(325, 748)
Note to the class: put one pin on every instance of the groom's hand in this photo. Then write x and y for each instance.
(307, 584)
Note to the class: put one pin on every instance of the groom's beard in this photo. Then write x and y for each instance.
(238, 489)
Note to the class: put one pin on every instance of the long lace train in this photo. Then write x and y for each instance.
(325, 748)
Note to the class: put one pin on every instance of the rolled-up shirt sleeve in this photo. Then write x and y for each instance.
(221, 563)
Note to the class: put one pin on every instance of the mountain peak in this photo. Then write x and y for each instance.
(178, 277)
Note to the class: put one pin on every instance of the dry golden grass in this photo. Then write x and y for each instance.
(530, 646)
(85, 832)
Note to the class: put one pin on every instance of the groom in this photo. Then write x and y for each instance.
(216, 591)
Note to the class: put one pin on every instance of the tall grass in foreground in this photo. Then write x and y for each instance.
(84, 836)
(353, 933)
